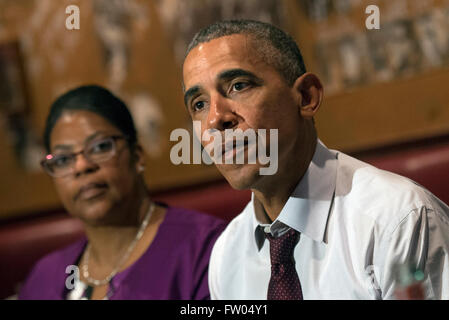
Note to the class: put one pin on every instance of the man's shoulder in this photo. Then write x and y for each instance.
(354, 175)
(381, 195)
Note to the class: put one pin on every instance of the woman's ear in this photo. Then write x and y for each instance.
(308, 91)
(139, 160)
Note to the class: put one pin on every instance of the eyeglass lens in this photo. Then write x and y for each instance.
(96, 151)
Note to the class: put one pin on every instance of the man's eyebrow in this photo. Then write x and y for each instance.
(191, 92)
(234, 73)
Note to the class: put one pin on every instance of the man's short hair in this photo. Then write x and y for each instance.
(275, 46)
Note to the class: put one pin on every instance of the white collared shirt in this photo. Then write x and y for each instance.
(356, 223)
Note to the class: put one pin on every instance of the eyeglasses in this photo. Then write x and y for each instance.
(63, 164)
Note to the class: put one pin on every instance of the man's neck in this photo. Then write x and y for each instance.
(270, 198)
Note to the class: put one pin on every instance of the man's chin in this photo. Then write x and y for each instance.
(240, 177)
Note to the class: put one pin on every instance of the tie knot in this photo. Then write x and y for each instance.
(281, 248)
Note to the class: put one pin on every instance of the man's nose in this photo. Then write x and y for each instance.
(221, 116)
(83, 165)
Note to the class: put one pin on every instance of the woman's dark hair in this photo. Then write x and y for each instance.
(95, 99)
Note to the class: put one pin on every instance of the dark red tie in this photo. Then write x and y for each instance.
(284, 282)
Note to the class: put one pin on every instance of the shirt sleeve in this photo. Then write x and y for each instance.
(422, 239)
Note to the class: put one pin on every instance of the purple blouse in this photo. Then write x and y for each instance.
(175, 265)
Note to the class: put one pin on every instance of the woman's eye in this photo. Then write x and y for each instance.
(100, 147)
(61, 160)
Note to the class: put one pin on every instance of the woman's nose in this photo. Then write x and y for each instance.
(83, 165)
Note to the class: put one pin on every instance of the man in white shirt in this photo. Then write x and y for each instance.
(351, 224)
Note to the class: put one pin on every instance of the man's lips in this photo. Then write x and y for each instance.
(232, 147)
(235, 153)
(90, 190)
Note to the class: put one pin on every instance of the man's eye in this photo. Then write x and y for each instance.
(239, 86)
(197, 106)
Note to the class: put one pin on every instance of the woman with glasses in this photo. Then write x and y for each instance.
(134, 248)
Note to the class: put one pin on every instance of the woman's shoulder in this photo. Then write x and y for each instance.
(67, 254)
(193, 219)
(188, 222)
(51, 269)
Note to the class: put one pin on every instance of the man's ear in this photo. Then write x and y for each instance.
(308, 91)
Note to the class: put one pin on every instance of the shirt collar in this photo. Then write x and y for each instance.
(308, 207)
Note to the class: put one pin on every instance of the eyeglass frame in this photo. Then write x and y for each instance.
(43, 162)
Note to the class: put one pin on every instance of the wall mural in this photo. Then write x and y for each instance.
(414, 37)
(114, 22)
(182, 19)
(14, 109)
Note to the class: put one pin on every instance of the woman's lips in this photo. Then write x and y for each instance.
(90, 191)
